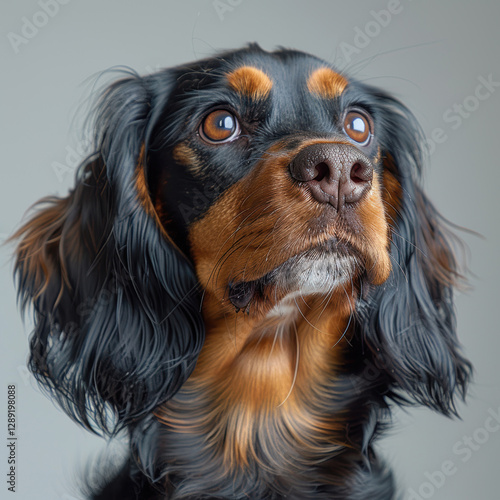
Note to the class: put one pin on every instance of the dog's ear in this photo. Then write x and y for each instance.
(409, 322)
(116, 304)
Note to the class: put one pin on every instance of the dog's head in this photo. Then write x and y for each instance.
(234, 186)
(275, 186)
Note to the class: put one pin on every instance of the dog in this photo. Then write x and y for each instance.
(245, 279)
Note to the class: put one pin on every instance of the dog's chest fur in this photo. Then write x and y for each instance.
(258, 399)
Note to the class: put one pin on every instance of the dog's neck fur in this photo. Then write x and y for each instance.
(256, 400)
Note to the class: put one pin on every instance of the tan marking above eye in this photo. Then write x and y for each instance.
(251, 82)
(326, 83)
(357, 127)
(219, 126)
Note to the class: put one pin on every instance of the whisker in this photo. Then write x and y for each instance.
(307, 321)
(346, 329)
(297, 357)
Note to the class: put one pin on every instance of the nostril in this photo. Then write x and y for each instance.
(332, 173)
(321, 170)
(361, 174)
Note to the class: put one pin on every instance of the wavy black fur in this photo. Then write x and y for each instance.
(117, 321)
(409, 321)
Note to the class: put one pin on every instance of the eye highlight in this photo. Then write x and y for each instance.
(358, 127)
(219, 126)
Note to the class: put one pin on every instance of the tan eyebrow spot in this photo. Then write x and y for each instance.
(326, 83)
(186, 156)
(250, 81)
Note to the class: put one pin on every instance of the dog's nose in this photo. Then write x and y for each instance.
(334, 173)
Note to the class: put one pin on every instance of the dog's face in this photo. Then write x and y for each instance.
(275, 184)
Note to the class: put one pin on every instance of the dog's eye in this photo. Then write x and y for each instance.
(357, 127)
(219, 126)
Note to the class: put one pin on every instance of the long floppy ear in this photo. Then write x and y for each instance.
(409, 322)
(116, 304)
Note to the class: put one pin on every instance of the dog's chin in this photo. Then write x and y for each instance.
(319, 270)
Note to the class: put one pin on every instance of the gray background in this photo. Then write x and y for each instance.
(430, 54)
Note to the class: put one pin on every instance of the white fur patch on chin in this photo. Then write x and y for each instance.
(309, 276)
(322, 276)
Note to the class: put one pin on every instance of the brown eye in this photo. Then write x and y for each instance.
(357, 127)
(219, 126)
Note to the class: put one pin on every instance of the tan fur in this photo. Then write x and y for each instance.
(392, 192)
(266, 373)
(264, 377)
(326, 83)
(155, 211)
(39, 241)
(251, 82)
(185, 156)
(264, 220)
